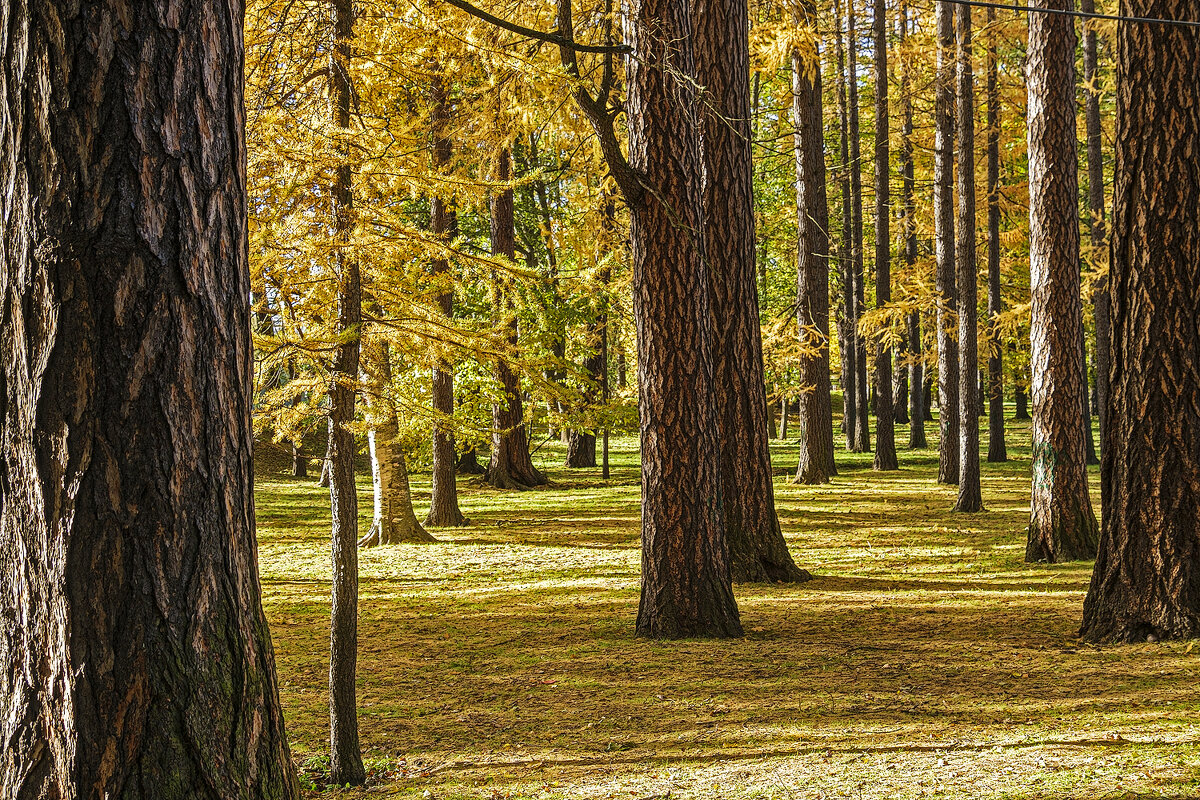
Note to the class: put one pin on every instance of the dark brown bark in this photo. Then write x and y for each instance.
(862, 403)
(847, 340)
(468, 463)
(345, 754)
(581, 444)
(443, 501)
(918, 409)
(757, 550)
(1146, 583)
(1062, 526)
(510, 466)
(816, 464)
(1095, 172)
(1021, 400)
(135, 659)
(997, 451)
(966, 278)
(885, 423)
(943, 219)
(299, 460)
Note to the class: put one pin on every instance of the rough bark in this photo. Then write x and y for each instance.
(468, 463)
(997, 451)
(299, 460)
(943, 219)
(511, 466)
(345, 754)
(757, 550)
(394, 521)
(1062, 526)
(847, 337)
(918, 410)
(135, 659)
(443, 501)
(1021, 401)
(862, 403)
(885, 423)
(812, 266)
(1146, 583)
(1095, 172)
(966, 278)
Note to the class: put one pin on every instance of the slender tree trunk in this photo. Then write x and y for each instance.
(1021, 398)
(862, 402)
(1089, 441)
(323, 478)
(511, 466)
(1146, 583)
(134, 650)
(1095, 171)
(443, 500)
(757, 550)
(581, 445)
(997, 451)
(1062, 526)
(943, 218)
(812, 290)
(847, 337)
(783, 417)
(394, 520)
(345, 755)
(885, 425)
(918, 410)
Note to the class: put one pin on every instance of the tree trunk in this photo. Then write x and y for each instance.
(918, 409)
(394, 520)
(943, 218)
(997, 451)
(757, 550)
(885, 424)
(468, 463)
(581, 445)
(1146, 583)
(443, 223)
(134, 652)
(345, 755)
(511, 466)
(1095, 170)
(812, 291)
(299, 460)
(862, 402)
(1062, 526)
(847, 338)
(1089, 441)
(1021, 399)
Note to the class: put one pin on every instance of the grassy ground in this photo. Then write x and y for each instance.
(927, 659)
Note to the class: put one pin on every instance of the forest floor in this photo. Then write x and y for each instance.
(926, 658)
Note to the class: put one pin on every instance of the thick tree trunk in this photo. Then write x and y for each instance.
(443, 223)
(997, 451)
(885, 425)
(345, 755)
(862, 404)
(511, 466)
(812, 267)
(943, 219)
(1062, 526)
(468, 463)
(394, 520)
(969, 498)
(135, 659)
(917, 410)
(1021, 400)
(847, 337)
(1146, 584)
(299, 460)
(757, 550)
(1095, 171)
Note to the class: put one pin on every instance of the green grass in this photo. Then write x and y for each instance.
(927, 659)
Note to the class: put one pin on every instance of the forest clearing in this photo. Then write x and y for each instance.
(926, 659)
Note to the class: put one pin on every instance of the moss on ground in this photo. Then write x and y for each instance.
(927, 659)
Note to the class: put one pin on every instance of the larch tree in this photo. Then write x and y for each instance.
(1095, 205)
(1062, 526)
(847, 326)
(1146, 583)
(862, 402)
(943, 214)
(136, 660)
(997, 451)
(885, 430)
(966, 276)
(816, 463)
(917, 410)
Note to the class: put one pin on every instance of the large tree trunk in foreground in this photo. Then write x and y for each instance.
(443, 499)
(345, 755)
(686, 580)
(997, 451)
(812, 267)
(1062, 526)
(966, 278)
(511, 466)
(943, 220)
(394, 520)
(1146, 583)
(757, 550)
(135, 659)
(885, 423)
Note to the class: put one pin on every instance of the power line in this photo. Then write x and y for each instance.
(1183, 23)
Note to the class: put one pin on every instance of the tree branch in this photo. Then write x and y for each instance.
(552, 38)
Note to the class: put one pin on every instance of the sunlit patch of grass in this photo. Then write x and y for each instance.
(926, 659)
